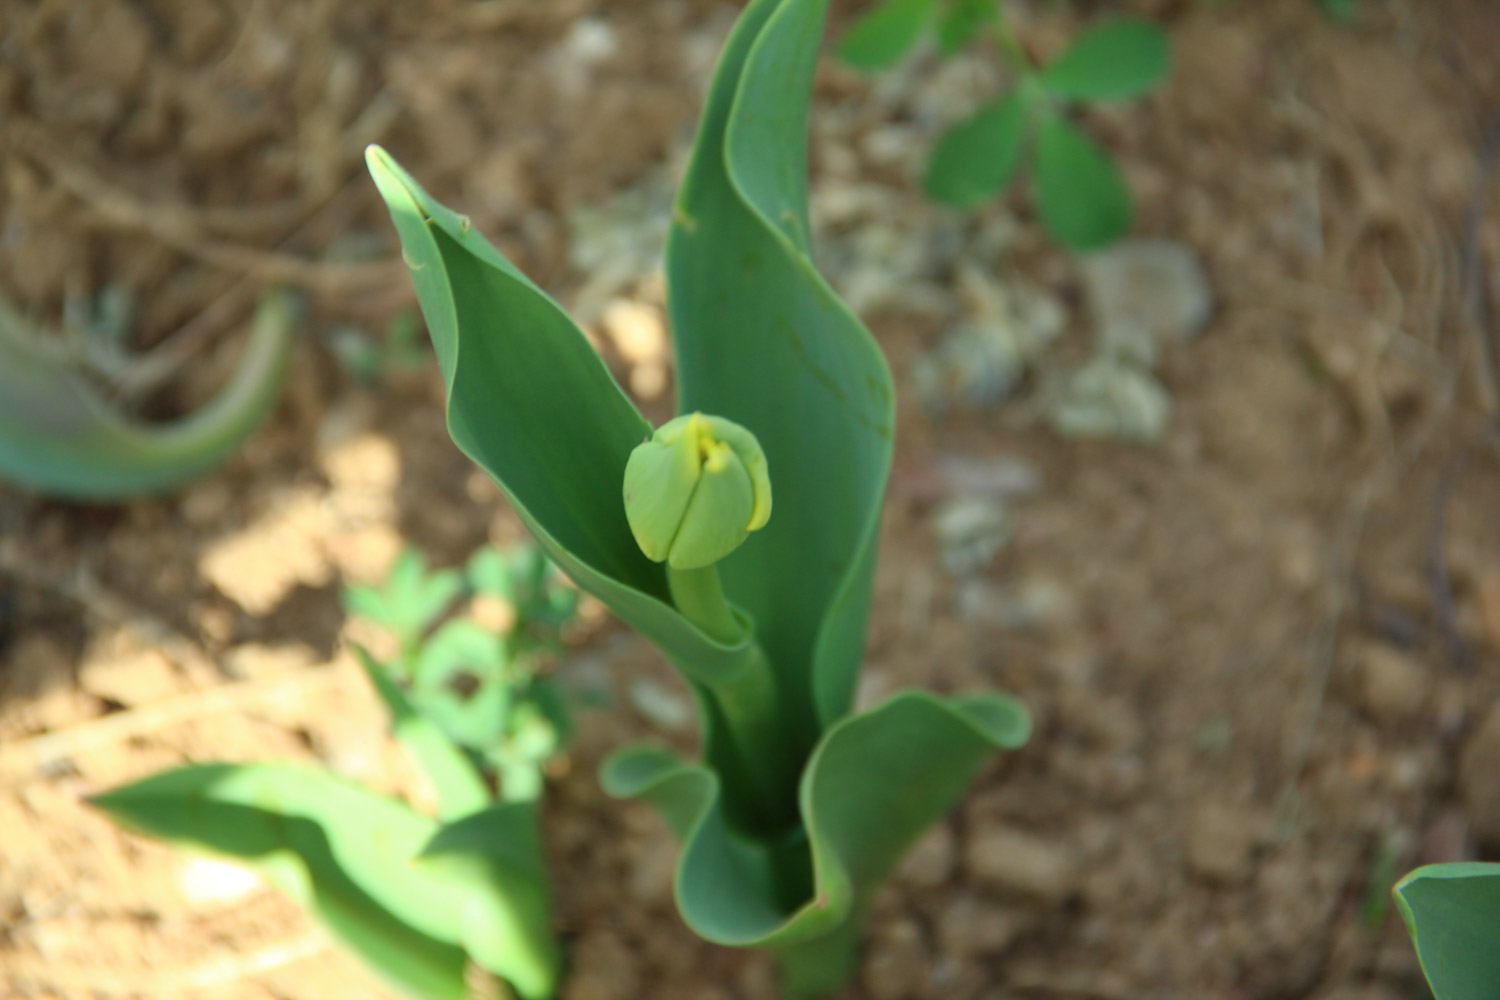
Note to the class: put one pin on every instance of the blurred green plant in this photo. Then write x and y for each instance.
(419, 899)
(799, 806)
(60, 437)
(484, 689)
(1081, 196)
(1452, 912)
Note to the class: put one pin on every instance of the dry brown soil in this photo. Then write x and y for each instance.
(1260, 654)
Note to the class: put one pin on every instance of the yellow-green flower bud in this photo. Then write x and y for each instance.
(696, 490)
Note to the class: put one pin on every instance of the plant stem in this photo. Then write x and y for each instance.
(824, 965)
(749, 708)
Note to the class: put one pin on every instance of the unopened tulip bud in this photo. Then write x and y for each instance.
(696, 490)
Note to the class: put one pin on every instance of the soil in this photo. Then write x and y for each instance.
(1260, 653)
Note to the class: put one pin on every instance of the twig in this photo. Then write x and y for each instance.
(175, 226)
(28, 755)
(205, 975)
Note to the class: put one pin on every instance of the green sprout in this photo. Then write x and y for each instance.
(798, 806)
(418, 898)
(1080, 193)
(58, 436)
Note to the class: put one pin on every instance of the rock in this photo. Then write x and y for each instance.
(930, 863)
(1037, 603)
(206, 880)
(897, 962)
(971, 927)
(1479, 779)
(970, 531)
(983, 359)
(1394, 689)
(362, 461)
(659, 705)
(1144, 294)
(1221, 843)
(1018, 862)
(1110, 398)
(1003, 477)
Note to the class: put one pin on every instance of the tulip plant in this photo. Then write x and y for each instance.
(797, 806)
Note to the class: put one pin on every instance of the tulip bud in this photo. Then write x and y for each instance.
(696, 490)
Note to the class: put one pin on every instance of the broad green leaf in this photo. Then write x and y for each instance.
(358, 862)
(533, 405)
(1452, 912)
(460, 789)
(507, 926)
(875, 781)
(59, 437)
(880, 37)
(962, 20)
(1123, 57)
(977, 157)
(761, 339)
(341, 851)
(1083, 200)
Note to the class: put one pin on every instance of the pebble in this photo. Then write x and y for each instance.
(970, 530)
(1221, 843)
(1144, 294)
(1110, 398)
(971, 927)
(1018, 862)
(897, 961)
(1035, 604)
(1478, 785)
(930, 863)
(1394, 688)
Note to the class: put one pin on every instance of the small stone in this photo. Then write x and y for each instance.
(1144, 294)
(1017, 862)
(205, 880)
(638, 331)
(659, 705)
(930, 863)
(970, 531)
(1478, 786)
(972, 927)
(1394, 688)
(1110, 397)
(1036, 604)
(896, 965)
(1221, 842)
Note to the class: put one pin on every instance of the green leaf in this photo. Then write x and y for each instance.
(880, 37)
(1082, 197)
(357, 862)
(506, 926)
(534, 406)
(1452, 912)
(339, 850)
(1122, 57)
(461, 682)
(977, 157)
(59, 437)
(762, 340)
(874, 783)
(962, 20)
(411, 599)
(460, 788)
